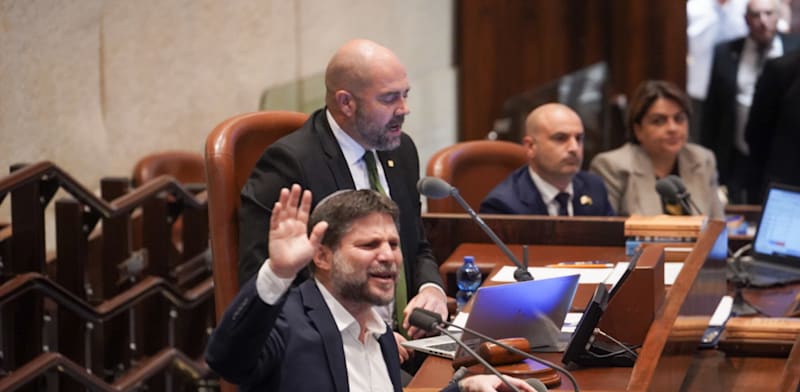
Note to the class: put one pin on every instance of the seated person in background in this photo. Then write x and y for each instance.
(324, 334)
(552, 182)
(658, 119)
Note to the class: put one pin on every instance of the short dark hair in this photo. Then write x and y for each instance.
(340, 209)
(648, 92)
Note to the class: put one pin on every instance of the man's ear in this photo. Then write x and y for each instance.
(323, 259)
(530, 146)
(346, 102)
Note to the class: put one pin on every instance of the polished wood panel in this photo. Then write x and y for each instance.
(446, 231)
(507, 47)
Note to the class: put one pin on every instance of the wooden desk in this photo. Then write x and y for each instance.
(436, 370)
(490, 259)
(668, 361)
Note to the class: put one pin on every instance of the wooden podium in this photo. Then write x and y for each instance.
(633, 308)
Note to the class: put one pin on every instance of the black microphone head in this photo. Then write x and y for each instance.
(433, 187)
(424, 319)
(677, 182)
(537, 384)
(667, 190)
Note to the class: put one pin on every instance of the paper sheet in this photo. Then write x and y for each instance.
(588, 275)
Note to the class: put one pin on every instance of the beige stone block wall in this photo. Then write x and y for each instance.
(93, 85)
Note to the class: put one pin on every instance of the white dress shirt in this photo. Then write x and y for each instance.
(354, 155)
(366, 368)
(751, 63)
(549, 193)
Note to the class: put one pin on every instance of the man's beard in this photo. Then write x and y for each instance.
(354, 286)
(376, 135)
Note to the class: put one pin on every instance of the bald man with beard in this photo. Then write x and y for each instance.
(554, 142)
(365, 106)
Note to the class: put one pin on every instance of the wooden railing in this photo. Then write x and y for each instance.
(124, 302)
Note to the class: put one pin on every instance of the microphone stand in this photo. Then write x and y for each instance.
(688, 203)
(480, 359)
(521, 274)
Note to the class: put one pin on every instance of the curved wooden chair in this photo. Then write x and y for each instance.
(187, 167)
(232, 149)
(475, 168)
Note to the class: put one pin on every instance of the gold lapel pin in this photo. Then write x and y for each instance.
(586, 200)
(390, 163)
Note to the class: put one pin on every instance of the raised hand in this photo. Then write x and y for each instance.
(290, 248)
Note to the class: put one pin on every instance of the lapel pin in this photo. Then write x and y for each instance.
(390, 163)
(586, 200)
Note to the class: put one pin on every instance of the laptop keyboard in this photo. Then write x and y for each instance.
(760, 274)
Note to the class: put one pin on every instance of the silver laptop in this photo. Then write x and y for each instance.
(534, 310)
(776, 246)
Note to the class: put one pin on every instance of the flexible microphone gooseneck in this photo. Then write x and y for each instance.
(436, 188)
(683, 194)
(430, 321)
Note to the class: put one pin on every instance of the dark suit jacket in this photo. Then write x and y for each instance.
(291, 346)
(312, 158)
(773, 129)
(517, 194)
(719, 109)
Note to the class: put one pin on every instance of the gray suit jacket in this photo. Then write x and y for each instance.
(631, 182)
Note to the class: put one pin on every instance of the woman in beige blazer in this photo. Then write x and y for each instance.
(658, 119)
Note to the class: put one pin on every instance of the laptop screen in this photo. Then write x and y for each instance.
(779, 230)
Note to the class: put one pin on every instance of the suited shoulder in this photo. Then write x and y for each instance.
(732, 45)
(791, 42)
(590, 179)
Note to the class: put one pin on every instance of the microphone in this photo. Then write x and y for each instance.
(683, 194)
(436, 188)
(669, 193)
(430, 321)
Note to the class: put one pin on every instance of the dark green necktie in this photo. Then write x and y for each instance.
(372, 173)
(400, 296)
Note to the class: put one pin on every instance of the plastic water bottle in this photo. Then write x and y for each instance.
(468, 278)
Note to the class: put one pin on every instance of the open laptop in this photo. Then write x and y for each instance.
(775, 257)
(534, 310)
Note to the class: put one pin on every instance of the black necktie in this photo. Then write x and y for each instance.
(562, 199)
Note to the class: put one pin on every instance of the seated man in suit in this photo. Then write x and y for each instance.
(324, 334)
(552, 183)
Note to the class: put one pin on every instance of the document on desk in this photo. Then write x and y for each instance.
(587, 275)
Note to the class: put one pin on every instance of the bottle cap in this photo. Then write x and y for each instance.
(469, 259)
